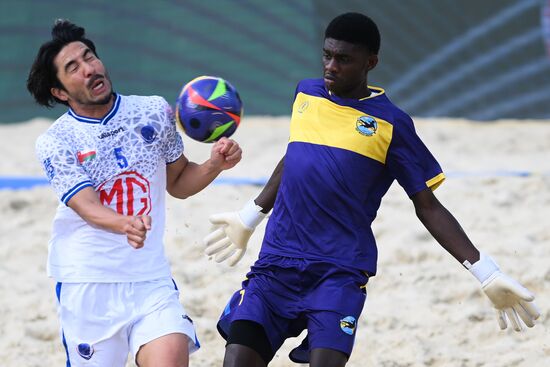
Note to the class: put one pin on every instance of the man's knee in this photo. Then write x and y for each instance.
(324, 357)
(170, 350)
(247, 345)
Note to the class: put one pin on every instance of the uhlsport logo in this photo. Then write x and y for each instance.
(108, 134)
(366, 125)
(303, 106)
(348, 324)
(85, 350)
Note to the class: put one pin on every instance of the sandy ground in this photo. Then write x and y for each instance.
(423, 308)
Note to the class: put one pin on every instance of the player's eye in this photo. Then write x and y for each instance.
(88, 55)
(344, 59)
(72, 67)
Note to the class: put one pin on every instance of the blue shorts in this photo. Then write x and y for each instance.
(287, 295)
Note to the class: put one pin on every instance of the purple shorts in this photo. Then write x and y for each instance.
(287, 295)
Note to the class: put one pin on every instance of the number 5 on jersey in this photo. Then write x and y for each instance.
(120, 158)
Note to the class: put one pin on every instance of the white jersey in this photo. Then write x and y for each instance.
(123, 157)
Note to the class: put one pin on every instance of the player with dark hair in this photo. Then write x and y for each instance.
(110, 159)
(347, 144)
(43, 75)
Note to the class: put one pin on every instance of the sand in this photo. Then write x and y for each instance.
(423, 308)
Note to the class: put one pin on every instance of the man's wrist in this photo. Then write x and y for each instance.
(482, 269)
(251, 214)
(211, 168)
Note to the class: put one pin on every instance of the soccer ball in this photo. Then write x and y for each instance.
(208, 108)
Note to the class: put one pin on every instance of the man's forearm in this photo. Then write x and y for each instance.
(445, 228)
(88, 207)
(193, 179)
(266, 198)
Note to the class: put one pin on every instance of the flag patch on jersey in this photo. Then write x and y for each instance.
(85, 155)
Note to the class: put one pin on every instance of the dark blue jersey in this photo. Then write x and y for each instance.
(343, 155)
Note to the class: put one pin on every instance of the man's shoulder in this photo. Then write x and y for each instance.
(54, 135)
(311, 83)
(153, 99)
(58, 127)
(385, 108)
(312, 87)
(145, 104)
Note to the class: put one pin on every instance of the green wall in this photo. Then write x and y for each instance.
(475, 59)
(154, 47)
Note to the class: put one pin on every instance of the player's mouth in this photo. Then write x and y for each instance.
(97, 85)
(329, 80)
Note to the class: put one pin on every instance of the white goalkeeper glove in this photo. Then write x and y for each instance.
(231, 233)
(509, 298)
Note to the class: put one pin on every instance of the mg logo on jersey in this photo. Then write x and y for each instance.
(128, 193)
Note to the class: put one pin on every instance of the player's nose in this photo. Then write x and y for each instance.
(88, 69)
(331, 66)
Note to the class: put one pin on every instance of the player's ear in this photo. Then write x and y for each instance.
(372, 61)
(60, 94)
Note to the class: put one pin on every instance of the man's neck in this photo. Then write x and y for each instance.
(95, 111)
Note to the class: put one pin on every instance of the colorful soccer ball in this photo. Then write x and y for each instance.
(208, 108)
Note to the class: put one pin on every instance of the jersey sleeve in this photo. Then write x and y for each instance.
(64, 172)
(172, 141)
(409, 160)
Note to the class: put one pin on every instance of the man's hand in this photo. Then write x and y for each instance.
(231, 233)
(136, 230)
(511, 300)
(225, 154)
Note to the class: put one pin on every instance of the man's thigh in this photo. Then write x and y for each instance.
(162, 318)
(90, 337)
(334, 307)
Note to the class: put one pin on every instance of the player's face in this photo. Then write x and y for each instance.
(86, 85)
(345, 68)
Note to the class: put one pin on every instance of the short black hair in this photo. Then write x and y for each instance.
(355, 28)
(43, 74)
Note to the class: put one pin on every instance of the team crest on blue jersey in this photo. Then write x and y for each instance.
(148, 133)
(348, 325)
(366, 125)
(85, 350)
